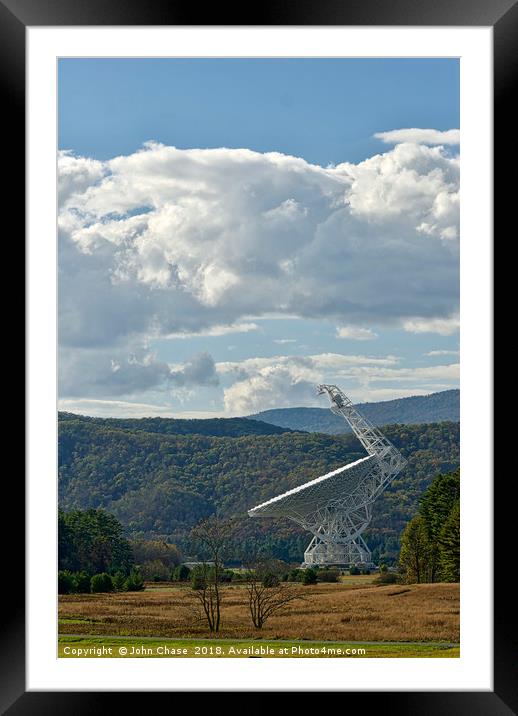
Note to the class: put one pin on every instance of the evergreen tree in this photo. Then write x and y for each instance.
(449, 547)
(180, 573)
(119, 582)
(66, 582)
(92, 541)
(416, 552)
(134, 582)
(82, 580)
(101, 583)
(435, 508)
(65, 543)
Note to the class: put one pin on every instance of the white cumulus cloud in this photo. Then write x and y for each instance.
(263, 383)
(219, 330)
(171, 242)
(441, 352)
(420, 136)
(355, 333)
(442, 326)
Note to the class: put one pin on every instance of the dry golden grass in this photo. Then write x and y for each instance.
(335, 612)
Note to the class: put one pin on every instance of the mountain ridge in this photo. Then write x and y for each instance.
(437, 407)
(213, 427)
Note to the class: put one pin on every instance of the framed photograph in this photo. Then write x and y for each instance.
(259, 418)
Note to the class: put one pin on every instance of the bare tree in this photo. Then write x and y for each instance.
(212, 537)
(267, 594)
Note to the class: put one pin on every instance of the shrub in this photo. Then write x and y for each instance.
(134, 583)
(155, 571)
(353, 570)
(295, 575)
(198, 579)
(82, 582)
(387, 578)
(327, 575)
(365, 570)
(205, 574)
(181, 573)
(119, 582)
(309, 576)
(66, 582)
(270, 580)
(101, 583)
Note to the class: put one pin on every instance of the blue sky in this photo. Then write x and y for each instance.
(207, 280)
(323, 110)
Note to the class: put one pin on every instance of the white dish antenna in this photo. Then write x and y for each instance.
(336, 507)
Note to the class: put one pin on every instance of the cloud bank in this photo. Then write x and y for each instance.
(260, 381)
(169, 241)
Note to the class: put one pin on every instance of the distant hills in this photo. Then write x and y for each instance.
(416, 410)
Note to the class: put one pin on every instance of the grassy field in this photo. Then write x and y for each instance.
(347, 612)
(151, 648)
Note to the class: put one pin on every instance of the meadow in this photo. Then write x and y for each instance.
(357, 610)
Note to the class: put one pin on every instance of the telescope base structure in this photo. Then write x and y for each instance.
(321, 553)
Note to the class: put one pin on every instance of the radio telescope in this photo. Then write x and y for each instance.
(336, 507)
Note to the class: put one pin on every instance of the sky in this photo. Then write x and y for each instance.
(233, 232)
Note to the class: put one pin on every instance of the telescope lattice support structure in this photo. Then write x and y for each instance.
(337, 507)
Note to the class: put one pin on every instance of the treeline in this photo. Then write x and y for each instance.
(92, 541)
(159, 485)
(216, 427)
(430, 545)
(282, 572)
(95, 556)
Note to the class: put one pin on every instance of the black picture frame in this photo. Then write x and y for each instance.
(502, 16)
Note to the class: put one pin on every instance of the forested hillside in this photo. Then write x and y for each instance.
(229, 427)
(433, 408)
(160, 485)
